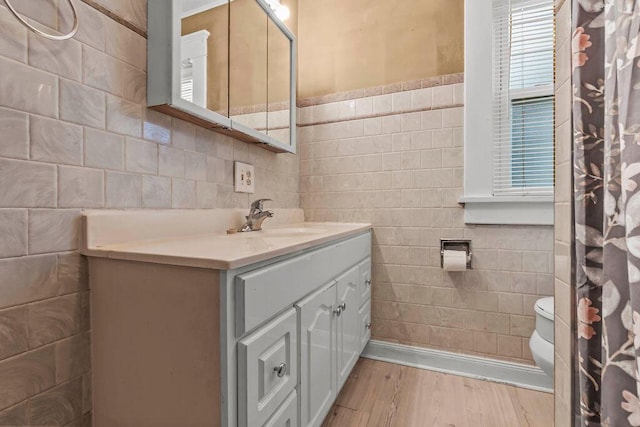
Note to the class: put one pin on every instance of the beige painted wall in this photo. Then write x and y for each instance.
(396, 160)
(355, 44)
(367, 44)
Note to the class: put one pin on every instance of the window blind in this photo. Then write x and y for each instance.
(186, 80)
(523, 102)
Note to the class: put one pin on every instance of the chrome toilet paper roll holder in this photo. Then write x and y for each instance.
(456, 245)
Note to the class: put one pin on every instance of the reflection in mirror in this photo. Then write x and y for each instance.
(228, 65)
(279, 84)
(193, 72)
(204, 53)
(248, 64)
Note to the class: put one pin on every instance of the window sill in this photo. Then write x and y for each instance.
(531, 210)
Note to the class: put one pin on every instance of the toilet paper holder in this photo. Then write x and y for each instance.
(455, 245)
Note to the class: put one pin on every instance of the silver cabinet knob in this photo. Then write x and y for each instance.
(367, 282)
(368, 325)
(338, 311)
(343, 306)
(280, 370)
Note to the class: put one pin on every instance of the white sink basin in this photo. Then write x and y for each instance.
(292, 232)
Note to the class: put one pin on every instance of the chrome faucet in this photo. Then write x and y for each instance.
(256, 216)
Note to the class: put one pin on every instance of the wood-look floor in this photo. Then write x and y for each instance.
(386, 394)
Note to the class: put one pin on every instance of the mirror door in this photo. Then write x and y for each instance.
(204, 54)
(248, 65)
(278, 84)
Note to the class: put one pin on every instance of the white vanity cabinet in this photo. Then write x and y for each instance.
(331, 340)
(268, 343)
(331, 328)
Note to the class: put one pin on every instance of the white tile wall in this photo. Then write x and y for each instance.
(398, 164)
(29, 90)
(564, 291)
(74, 134)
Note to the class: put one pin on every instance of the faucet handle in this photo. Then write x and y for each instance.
(258, 204)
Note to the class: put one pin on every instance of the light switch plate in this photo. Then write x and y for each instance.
(244, 178)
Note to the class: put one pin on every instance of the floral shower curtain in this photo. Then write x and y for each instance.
(606, 114)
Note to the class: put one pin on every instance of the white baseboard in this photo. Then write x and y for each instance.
(515, 374)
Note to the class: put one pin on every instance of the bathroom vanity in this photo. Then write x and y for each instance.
(208, 329)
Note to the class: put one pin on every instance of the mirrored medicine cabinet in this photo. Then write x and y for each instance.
(227, 65)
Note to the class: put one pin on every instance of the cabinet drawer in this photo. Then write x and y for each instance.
(264, 292)
(365, 325)
(287, 414)
(364, 284)
(267, 369)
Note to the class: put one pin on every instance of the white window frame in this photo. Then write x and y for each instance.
(193, 50)
(481, 206)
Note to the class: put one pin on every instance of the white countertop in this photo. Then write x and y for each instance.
(228, 251)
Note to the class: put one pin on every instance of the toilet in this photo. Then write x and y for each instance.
(541, 343)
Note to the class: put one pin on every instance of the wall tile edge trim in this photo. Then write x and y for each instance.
(115, 17)
(425, 83)
(372, 116)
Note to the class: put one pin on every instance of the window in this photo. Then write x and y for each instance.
(186, 80)
(530, 154)
(523, 97)
(509, 124)
(193, 73)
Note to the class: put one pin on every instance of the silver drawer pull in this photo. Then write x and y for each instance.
(343, 306)
(367, 282)
(368, 325)
(280, 370)
(338, 311)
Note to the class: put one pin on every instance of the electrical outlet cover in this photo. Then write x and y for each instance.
(244, 178)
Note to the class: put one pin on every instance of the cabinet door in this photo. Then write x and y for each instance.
(364, 286)
(348, 323)
(317, 355)
(248, 65)
(365, 325)
(267, 369)
(287, 413)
